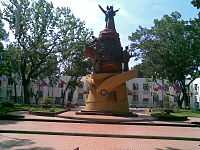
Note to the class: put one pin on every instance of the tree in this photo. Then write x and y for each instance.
(169, 50)
(3, 36)
(42, 34)
(196, 3)
(11, 65)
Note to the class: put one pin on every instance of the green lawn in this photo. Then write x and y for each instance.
(182, 112)
(6, 107)
(168, 117)
(41, 109)
(188, 113)
(37, 108)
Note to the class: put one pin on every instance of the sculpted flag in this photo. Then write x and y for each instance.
(61, 84)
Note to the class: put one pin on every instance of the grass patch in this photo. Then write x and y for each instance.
(38, 108)
(180, 112)
(8, 117)
(188, 113)
(7, 107)
(168, 117)
(42, 109)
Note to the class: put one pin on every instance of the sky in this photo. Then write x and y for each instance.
(132, 13)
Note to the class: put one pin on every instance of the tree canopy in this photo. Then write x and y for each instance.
(45, 38)
(196, 3)
(169, 49)
(3, 36)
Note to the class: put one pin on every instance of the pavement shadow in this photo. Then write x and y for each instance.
(168, 148)
(3, 122)
(37, 148)
(8, 144)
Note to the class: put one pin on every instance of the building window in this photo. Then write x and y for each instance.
(135, 98)
(10, 82)
(195, 87)
(135, 86)
(155, 99)
(80, 96)
(145, 87)
(145, 100)
(196, 99)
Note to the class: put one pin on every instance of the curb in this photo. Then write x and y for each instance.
(113, 123)
(105, 120)
(47, 114)
(101, 135)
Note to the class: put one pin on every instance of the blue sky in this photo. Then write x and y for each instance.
(132, 13)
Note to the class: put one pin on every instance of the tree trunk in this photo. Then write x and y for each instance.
(26, 90)
(186, 98)
(15, 89)
(179, 101)
(36, 99)
(63, 97)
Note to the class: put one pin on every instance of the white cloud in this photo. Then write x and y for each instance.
(86, 10)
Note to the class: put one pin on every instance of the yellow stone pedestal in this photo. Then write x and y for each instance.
(108, 93)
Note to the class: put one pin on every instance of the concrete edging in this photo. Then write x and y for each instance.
(100, 135)
(114, 123)
(48, 114)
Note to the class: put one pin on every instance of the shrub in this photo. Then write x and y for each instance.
(168, 117)
(6, 107)
(52, 110)
(7, 104)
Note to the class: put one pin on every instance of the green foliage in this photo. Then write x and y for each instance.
(144, 71)
(42, 109)
(168, 117)
(3, 36)
(196, 3)
(7, 104)
(169, 49)
(188, 113)
(48, 101)
(6, 107)
(46, 38)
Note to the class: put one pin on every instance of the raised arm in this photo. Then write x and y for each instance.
(116, 10)
(102, 9)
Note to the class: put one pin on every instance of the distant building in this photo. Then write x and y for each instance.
(142, 92)
(195, 94)
(41, 91)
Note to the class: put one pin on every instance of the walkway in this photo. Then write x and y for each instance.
(69, 136)
(53, 142)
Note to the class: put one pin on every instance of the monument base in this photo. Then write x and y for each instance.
(108, 93)
(84, 112)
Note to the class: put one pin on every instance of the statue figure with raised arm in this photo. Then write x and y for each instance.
(109, 16)
(107, 92)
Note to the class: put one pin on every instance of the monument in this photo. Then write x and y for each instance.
(107, 83)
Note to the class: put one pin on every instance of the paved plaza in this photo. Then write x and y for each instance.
(101, 129)
(54, 142)
(42, 135)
